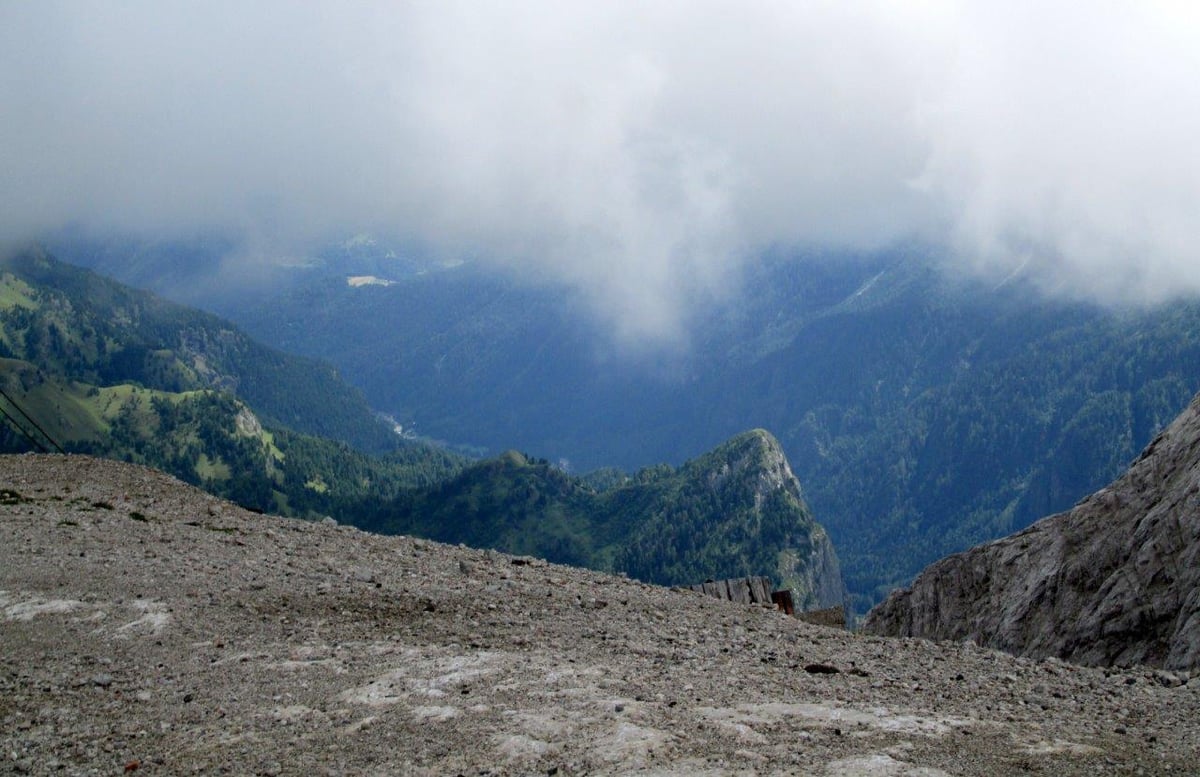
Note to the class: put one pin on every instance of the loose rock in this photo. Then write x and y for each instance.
(300, 649)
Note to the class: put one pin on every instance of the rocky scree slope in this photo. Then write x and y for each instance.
(148, 627)
(1114, 581)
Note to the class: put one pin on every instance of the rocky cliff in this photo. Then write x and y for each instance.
(806, 561)
(819, 577)
(737, 510)
(1114, 581)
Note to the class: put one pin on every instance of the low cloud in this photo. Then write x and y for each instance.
(639, 152)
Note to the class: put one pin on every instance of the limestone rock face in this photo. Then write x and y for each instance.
(1113, 581)
(750, 475)
(816, 578)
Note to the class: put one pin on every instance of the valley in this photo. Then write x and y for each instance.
(922, 413)
(173, 394)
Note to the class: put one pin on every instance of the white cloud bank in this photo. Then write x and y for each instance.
(639, 151)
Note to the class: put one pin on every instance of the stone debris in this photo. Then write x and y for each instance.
(210, 640)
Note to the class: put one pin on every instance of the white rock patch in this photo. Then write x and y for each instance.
(153, 620)
(29, 606)
(748, 715)
(879, 766)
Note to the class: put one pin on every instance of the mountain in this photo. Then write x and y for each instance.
(208, 438)
(924, 413)
(739, 503)
(149, 628)
(92, 366)
(735, 511)
(1114, 581)
(74, 323)
(123, 374)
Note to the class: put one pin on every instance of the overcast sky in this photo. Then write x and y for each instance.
(638, 150)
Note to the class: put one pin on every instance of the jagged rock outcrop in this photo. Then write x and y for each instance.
(820, 575)
(737, 510)
(808, 563)
(1114, 581)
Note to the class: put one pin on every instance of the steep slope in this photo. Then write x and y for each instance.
(107, 370)
(150, 629)
(735, 511)
(210, 439)
(1114, 581)
(74, 324)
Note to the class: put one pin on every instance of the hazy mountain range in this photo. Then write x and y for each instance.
(922, 413)
(93, 366)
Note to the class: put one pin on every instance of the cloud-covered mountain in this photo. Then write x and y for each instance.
(637, 154)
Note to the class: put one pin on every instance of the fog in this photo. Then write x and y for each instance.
(638, 152)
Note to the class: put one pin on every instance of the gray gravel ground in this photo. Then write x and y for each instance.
(148, 628)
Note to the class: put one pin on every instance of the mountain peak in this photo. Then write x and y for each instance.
(755, 448)
(748, 482)
(513, 458)
(753, 440)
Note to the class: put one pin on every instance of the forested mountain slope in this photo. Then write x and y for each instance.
(71, 322)
(924, 414)
(93, 366)
(735, 511)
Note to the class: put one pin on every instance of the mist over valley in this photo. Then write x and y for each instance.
(894, 307)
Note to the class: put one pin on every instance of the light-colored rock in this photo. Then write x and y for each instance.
(280, 656)
(811, 569)
(1114, 581)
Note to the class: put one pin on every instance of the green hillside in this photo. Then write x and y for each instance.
(75, 324)
(94, 367)
(735, 511)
